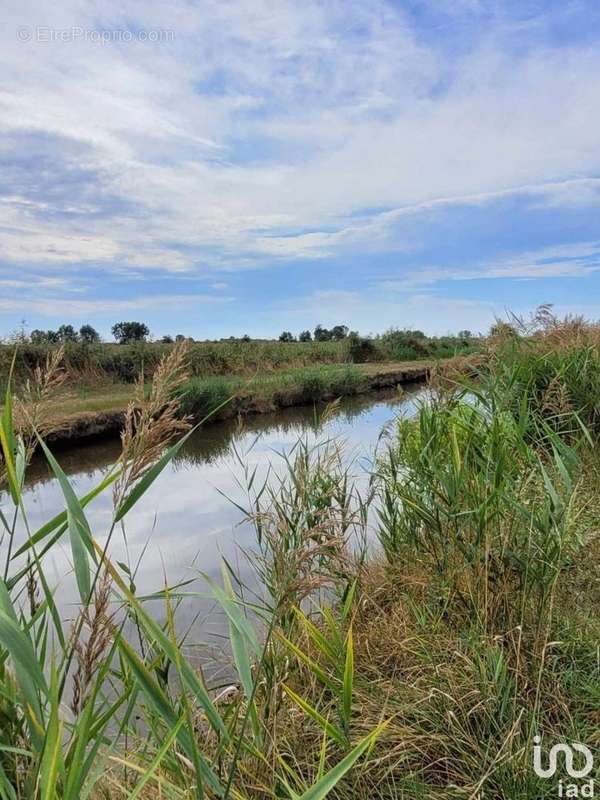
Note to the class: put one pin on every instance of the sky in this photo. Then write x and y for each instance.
(224, 167)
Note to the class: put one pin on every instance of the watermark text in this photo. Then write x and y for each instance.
(44, 34)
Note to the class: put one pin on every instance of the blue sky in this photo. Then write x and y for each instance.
(270, 165)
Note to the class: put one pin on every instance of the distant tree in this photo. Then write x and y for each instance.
(321, 334)
(125, 332)
(287, 336)
(88, 334)
(305, 336)
(67, 333)
(167, 340)
(246, 338)
(359, 349)
(465, 334)
(339, 332)
(180, 337)
(38, 337)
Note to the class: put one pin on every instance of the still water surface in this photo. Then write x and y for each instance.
(187, 520)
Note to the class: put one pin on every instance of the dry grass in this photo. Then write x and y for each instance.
(33, 405)
(462, 706)
(152, 420)
(97, 623)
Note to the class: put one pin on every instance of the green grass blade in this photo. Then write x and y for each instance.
(156, 761)
(322, 787)
(28, 674)
(189, 675)
(347, 685)
(240, 645)
(79, 530)
(316, 636)
(349, 599)
(52, 764)
(159, 700)
(334, 733)
(7, 441)
(312, 665)
(7, 791)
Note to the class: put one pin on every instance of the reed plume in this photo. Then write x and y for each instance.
(90, 653)
(152, 420)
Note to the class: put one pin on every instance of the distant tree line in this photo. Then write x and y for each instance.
(127, 332)
(398, 343)
(320, 334)
(66, 333)
(124, 332)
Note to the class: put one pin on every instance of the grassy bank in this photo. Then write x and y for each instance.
(422, 667)
(86, 409)
(284, 388)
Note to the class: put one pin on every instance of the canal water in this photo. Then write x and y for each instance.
(188, 519)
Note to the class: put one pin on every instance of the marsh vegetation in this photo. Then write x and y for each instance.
(411, 637)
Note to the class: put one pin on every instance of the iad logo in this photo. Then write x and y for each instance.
(566, 789)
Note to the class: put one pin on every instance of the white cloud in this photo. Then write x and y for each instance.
(374, 312)
(575, 260)
(55, 307)
(264, 131)
(347, 103)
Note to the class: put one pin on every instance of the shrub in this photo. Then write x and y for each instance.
(360, 349)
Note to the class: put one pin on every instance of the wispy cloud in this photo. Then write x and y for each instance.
(55, 307)
(261, 134)
(562, 261)
(144, 138)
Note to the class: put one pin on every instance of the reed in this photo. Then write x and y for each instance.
(286, 387)
(87, 714)
(410, 639)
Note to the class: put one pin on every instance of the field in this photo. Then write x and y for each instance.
(409, 643)
(123, 363)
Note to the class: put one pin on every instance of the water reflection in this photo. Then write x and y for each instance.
(187, 520)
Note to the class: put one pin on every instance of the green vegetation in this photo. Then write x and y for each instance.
(124, 362)
(419, 669)
(405, 345)
(88, 359)
(200, 396)
(85, 713)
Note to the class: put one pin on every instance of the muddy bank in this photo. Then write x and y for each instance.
(103, 424)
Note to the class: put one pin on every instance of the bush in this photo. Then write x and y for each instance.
(359, 349)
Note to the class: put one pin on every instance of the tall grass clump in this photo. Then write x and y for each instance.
(303, 385)
(554, 365)
(486, 519)
(466, 490)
